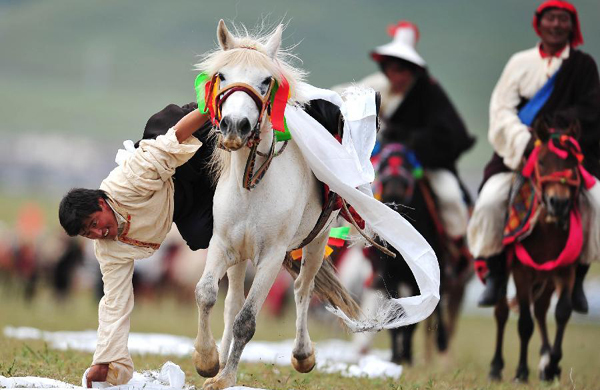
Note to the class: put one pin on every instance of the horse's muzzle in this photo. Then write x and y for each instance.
(236, 132)
(233, 143)
(558, 207)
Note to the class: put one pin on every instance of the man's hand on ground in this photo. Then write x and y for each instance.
(97, 373)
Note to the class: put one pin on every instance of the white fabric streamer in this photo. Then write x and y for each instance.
(342, 172)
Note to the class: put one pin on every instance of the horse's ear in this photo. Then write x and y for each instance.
(541, 129)
(274, 42)
(226, 40)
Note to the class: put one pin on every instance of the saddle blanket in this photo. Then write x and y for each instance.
(522, 210)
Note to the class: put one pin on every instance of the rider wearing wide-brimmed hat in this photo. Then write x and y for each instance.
(416, 112)
(570, 78)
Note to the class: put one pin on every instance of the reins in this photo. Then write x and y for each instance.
(252, 178)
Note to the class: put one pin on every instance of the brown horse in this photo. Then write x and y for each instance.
(545, 260)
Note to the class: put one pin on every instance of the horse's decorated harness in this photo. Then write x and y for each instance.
(563, 146)
(211, 98)
(397, 161)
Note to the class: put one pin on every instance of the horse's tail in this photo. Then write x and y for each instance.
(328, 287)
(389, 313)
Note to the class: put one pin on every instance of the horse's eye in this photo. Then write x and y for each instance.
(221, 77)
(266, 81)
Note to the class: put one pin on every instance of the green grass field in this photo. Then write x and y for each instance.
(465, 367)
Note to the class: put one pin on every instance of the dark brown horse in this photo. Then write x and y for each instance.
(544, 261)
(402, 185)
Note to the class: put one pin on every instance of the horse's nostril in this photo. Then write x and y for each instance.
(559, 205)
(225, 123)
(244, 126)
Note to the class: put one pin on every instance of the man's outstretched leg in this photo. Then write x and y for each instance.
(484, 235)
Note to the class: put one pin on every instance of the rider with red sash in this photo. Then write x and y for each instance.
(551, 78)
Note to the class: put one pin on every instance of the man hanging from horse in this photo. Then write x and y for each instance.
(166, 177)
(552, 77)
(131, 214)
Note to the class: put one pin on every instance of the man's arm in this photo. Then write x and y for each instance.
(189, 124)
(507, 134)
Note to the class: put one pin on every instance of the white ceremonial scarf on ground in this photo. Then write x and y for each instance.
(344, 167)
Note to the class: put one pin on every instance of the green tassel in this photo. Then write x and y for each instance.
(286, 135)
(200, 87)
(417, 173)
(340, 232)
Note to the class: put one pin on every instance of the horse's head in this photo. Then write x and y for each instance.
(244, 73)
(555, 163)
(396, 172)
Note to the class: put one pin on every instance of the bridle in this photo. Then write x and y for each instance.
(391, 166)
(251, 178)
(570, 177)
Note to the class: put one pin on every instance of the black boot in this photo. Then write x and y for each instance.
(495, 281)
(580, 303)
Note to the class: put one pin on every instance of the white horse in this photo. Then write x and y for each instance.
(265, 223)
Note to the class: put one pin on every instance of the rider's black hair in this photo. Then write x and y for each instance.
(401, 64)
(76, 206)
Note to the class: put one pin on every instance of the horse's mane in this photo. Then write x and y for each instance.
(250, 50)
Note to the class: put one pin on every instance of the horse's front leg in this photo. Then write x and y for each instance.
(523, 282)
(540, 308)
(501, 316)
(244, 325)
(205, 355)
(562, 314)
(303, 353)
(233, 303)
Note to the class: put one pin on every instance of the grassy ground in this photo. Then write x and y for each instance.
(464, 368)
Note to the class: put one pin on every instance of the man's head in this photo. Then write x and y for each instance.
(556, 23)
(400, 73)
(399, 59)
(86, 213)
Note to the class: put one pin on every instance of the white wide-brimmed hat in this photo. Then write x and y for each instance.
(406, 36)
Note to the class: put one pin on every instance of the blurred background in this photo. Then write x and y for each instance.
(79, 77)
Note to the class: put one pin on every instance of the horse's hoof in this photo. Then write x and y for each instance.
(521, 379)
(304, 364)
(217, 383)
(207, 367)
(495, 377)
(548, 374)
(402, 360)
